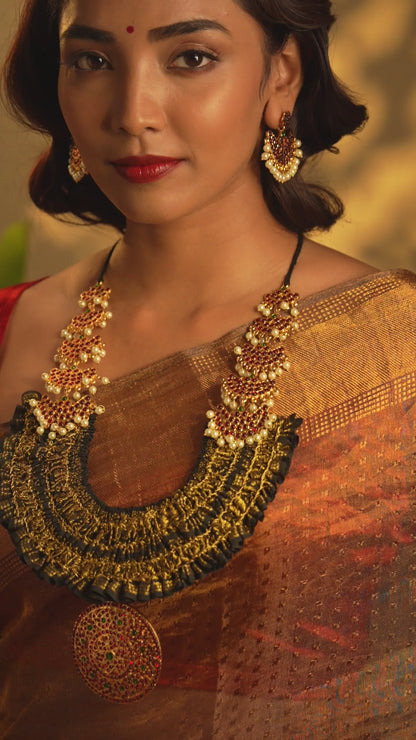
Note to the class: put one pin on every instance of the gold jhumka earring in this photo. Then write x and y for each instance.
(281, 151)
(76, 166)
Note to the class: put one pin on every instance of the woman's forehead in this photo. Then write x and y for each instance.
(144, 9)
(156, 19)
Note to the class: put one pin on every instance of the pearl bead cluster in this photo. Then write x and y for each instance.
(281, 151)
(70, 385)
(246, 413)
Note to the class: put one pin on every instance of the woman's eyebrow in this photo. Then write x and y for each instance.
(80, 31)
(184, 27)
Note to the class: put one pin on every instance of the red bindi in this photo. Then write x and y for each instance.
(130, 29)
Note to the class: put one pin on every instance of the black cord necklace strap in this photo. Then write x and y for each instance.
(286, 279)
(107, 262)
(288, 276)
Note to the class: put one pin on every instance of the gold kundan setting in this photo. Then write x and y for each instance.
(72, 383)
(282, 153)
(246, 414)
(117, 652)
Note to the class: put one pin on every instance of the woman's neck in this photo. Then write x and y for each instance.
(206, 258)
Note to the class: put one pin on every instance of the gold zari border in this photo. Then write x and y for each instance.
(373, 401)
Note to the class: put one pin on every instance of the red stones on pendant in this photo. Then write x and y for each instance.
(95, 296)
(246, 414)
(258, 360)
(72, 379)
(117, 652)
(264, 330)
(242, 425)
(246, 390)
(88, 321)
(71, 385)
(49, 413)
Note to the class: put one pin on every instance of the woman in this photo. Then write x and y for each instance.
(180, 121)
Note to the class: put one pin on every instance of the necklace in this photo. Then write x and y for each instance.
(124, 555)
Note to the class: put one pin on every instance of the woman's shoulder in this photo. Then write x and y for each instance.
(33, 307)
(54, 291)
(321, 268)
(358, 301)
(331, 272)
(10, 294)
(8, 299)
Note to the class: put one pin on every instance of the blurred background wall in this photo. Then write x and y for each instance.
(373, 51)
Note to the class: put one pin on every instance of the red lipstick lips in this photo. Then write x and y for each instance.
(145, 169)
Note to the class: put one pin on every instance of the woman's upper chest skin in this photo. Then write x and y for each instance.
(33, 336)
(132, 340)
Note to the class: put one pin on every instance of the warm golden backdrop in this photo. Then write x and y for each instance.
(374, 51)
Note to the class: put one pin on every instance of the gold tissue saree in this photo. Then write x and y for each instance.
(309, 632)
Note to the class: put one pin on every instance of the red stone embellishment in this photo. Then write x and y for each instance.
(246, 414)
(281, 151)
(117, 652)
(71, 385)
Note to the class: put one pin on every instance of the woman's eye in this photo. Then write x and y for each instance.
(89, 62)
(193, 59)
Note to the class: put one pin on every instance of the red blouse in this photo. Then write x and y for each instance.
(8, 298)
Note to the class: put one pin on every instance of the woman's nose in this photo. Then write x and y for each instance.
(138, 104)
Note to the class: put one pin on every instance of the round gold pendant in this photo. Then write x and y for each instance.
(117, 652)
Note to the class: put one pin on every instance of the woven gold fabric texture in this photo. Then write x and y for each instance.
(309, 632)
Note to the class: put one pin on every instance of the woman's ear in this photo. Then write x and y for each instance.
(284, 82)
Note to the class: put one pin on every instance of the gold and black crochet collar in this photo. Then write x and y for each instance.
(68, 537)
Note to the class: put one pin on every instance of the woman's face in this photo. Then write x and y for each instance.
(180, 81)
